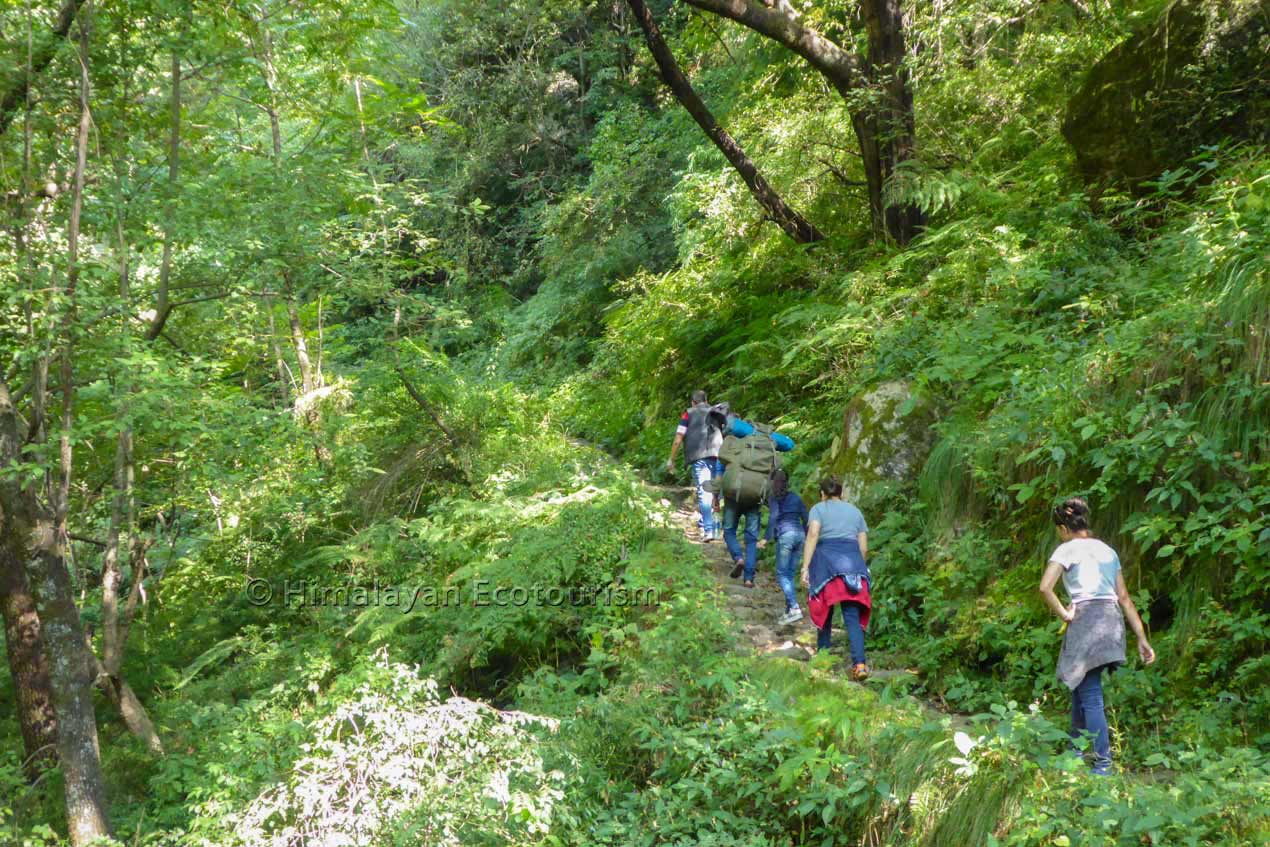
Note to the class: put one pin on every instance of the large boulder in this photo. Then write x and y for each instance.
(1196, 75)
(886, 434)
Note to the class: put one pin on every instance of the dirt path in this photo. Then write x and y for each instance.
(758, 609)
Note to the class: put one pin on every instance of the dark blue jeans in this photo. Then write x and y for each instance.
(1089, 715)
(704, 470)
(789, 555)
(855, 633)
(731, 520)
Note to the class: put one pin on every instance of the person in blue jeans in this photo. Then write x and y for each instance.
(787, 526)
(703, 471)
(742, 560)
(700, 433)
(836, 571)
(1094, 640)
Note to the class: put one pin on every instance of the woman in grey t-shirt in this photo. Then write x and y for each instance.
(836, 572)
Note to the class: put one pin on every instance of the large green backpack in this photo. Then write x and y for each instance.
(749, 463)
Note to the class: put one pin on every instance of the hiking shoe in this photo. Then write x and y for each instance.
(792, 615)
(737, 568)
(749, 583)
(860, 672)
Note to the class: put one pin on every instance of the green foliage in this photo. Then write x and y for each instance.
(497, 235)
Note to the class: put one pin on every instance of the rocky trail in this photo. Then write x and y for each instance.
(757, 610)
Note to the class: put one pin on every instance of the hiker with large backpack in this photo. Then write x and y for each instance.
(700, 433)
(750, 455)
(836, 572)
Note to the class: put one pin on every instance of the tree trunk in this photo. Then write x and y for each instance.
(43, 533)
(893, 130)
(120, 530)
(885, 134)
(72, 681)
(119, 537)
(308, 382)
(28, 665)
(284, 383)
(793, 224)
(162, 307)
(30, 535)
(16, 94)
(129, 705)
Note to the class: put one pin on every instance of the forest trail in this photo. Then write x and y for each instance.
(757, 610)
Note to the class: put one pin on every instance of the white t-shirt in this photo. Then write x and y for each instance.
(1089, 569)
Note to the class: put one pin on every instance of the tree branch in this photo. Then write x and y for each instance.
(778, 20)
(424, 404)
(86, 539)
(775, 208)
(43, 54)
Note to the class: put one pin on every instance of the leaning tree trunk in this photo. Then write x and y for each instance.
(793, 224)
(885, 133)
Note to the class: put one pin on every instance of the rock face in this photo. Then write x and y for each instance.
(1196, 75)
(886, 434)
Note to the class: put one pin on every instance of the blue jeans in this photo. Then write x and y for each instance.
(789, 551)
(731, 520)
(855, 633)
(1088, 715)
(704, 470)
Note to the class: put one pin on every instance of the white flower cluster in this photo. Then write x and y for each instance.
(397, 759)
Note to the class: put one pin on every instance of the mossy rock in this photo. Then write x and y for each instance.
(1196, 75)
(886, 435)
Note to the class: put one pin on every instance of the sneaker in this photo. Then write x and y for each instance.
(749, 583)
(860, 672)
(792, 615)
(737, 568)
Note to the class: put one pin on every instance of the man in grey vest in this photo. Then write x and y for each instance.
(700, 434)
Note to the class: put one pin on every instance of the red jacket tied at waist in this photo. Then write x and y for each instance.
(835, 592)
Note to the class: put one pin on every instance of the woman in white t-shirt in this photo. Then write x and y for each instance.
(1094, 640)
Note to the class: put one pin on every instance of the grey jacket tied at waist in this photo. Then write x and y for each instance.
(1094, 638)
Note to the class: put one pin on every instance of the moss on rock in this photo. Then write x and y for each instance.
(1195, 75)
(886, 434)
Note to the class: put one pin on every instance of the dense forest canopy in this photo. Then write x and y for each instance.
(325, 325)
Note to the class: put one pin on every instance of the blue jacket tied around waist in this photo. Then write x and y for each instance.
(836, 557)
